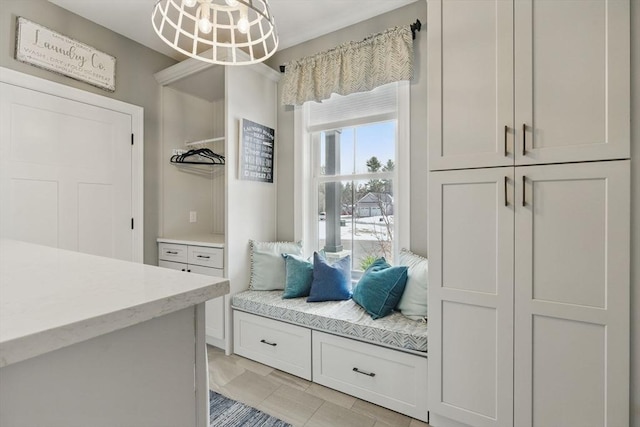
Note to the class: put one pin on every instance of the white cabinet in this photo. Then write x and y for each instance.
(527, 82)
(207, 260)
(194, 94)
(550, 245)
(471, 295)
(529, 249)
(572, 294)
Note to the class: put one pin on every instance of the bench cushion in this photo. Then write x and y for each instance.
(340, 317)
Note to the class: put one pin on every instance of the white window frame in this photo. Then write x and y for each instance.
(306, 205)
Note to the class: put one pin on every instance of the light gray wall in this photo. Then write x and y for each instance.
(284, 137)
(635, 213)
(135, 84)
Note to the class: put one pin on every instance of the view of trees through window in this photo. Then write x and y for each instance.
(355, 192)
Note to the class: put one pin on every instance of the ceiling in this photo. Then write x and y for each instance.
(296, 20)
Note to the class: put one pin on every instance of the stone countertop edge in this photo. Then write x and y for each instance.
(22, 348)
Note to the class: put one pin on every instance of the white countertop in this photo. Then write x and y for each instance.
(52, 298)
(209, 240)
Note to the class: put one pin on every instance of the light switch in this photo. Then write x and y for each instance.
(193, 216)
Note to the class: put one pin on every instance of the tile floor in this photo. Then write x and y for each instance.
(294, 400)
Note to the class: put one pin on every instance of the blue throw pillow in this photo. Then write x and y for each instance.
(299, 275)
(380, 288)
(330, 282)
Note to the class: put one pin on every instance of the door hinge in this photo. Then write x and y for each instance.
(132, 223)
(131, 139)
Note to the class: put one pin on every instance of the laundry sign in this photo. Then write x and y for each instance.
(44, 48)
(257, 144)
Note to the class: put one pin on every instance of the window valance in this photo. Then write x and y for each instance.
(352, 67)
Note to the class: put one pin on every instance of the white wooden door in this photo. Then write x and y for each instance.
(470, 94)
(66, 177)
(471, 296)
(572, 295)
(572, 80)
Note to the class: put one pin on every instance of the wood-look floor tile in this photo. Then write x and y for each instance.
(418, 423)
(250, 388)
(223, 371)
(331, 395)
(383, 414)
(332, 415)
(290, 380)
(256, 367)
(290, 405)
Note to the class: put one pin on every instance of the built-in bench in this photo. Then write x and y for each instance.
(337, 344)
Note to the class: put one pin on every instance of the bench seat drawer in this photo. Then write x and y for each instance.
(389, 378)
(280, 345)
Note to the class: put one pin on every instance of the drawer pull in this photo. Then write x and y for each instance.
(204, 256)
(172, 253)
(369, 374)
(272, 344)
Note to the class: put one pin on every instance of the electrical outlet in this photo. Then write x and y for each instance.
(177, 152)
(193, 216)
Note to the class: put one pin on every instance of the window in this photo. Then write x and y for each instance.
(352, 167)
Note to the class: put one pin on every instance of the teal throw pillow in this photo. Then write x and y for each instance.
(331, 282)
(413, 303)
(380, 288)
(299, 275)
(267, 264)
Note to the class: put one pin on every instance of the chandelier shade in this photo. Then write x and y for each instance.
(226, 32)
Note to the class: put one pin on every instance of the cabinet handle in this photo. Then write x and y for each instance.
(506, 132)
(172, 252)
(369, 374)
(524, 139)
(524, 190)
(272, 344)
(184, 269)
(188, 271)
(506, 200)
(204, 256)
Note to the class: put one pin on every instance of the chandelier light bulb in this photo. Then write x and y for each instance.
(189, 3)
(243, 24)
(204, 25)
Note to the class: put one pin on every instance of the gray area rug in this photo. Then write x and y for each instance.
(225, 412)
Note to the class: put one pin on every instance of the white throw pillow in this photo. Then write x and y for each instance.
(413, 303)
(267, 264)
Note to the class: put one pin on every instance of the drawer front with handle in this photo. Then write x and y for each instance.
(389, 378)
(171, 252)
(277, 344)
(206, 257)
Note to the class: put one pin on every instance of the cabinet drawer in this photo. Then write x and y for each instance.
(206, 257)
(389, 378)
(277, 344)
(171, 252)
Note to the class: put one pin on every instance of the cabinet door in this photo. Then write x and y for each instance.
(470, 86)
(572, 80)
(471, 296)
(214, 309)
(572, 295)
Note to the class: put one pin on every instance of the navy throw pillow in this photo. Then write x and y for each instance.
(331, 282)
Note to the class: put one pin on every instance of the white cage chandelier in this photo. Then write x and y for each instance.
(227, 32)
